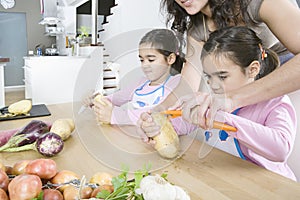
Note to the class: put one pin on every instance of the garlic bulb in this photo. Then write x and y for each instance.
(156, 187)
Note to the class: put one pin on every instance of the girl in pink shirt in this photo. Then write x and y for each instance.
(160, 53)
(231, 58)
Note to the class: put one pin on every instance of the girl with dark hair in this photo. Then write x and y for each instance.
(232, 58)
(161, 56)
(198, 18)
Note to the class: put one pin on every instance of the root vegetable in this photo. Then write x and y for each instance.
(167, 142)
(4, 180)
(108, 188)
(44, 168)
(3, 195)
(49, 144)
(71, 193)
(19, 167)
(101, 178)
(64, 176)
(63, 128)
(20, 108)
(24, 187)
(52, 194)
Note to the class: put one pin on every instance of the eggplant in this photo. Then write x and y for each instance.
(27, 135)
(49, 144)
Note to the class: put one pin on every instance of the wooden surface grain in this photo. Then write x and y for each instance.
(94, 148)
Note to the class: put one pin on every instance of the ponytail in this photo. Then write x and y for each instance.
(269, 62)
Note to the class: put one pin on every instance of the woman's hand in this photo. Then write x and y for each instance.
(103, 110)
(198, 107)
(147, 128)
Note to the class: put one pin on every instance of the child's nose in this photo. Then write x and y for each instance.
(213, 84)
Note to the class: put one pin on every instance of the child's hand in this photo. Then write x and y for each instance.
(103, 110)
(88, 101)
(147, 128)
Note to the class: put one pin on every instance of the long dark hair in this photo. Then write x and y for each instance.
(167, 42)
(224, 13)
(241, 45)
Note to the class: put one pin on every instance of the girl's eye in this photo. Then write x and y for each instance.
(151, 60)
(207, 77)
(222, 77)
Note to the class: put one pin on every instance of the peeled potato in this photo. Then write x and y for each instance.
(63, 127)
(167, 142)
(20, 107)
(98, 98)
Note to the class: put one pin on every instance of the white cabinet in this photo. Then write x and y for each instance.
(60, 79)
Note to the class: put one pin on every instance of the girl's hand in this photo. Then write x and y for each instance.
(146, 128)
(198, 107)
(88, 101)
(103, 110)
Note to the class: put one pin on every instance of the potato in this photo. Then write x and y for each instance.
(20, 107)
(101, 178)
(24, 187)
(52, 194)
(4, 180)
(98, 98)
(19, 167)
(64, 176)
(44, 168)
(3, 195)
(167, 142)
(63, 128)
(108, 188)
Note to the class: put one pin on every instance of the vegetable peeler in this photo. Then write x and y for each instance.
(216, 124)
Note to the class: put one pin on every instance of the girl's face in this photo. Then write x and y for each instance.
(223, 75)
(154, 65)
(192, 7)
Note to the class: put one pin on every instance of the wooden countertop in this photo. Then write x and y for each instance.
(4, 60)
(218, 175)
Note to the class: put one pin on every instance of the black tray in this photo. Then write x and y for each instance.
(39, 110)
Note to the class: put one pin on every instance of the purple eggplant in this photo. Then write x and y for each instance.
(49, 144)
(27, 135)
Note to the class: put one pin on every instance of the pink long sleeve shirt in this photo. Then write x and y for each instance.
(123, 113)
(266, 132)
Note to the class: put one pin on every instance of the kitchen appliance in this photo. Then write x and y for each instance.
(53, 51)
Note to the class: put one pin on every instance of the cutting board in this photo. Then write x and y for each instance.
(39, 110)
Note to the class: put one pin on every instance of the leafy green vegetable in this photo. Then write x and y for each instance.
(124, 188)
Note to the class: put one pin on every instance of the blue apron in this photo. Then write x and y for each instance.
(149, 99)
(224, 142)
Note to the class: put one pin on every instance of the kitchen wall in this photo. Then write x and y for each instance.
(35, 31)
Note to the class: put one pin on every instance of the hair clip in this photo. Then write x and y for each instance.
(263, 52)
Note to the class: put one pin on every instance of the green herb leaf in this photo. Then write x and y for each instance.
(103, 194)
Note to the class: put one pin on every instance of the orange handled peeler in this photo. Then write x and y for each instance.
(216, 124)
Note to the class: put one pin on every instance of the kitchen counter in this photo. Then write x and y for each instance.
(61, 79)
(3, 61)
(218, 175)
(55, 57)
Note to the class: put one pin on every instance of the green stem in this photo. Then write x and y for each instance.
(21, 148)
(12, 142)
